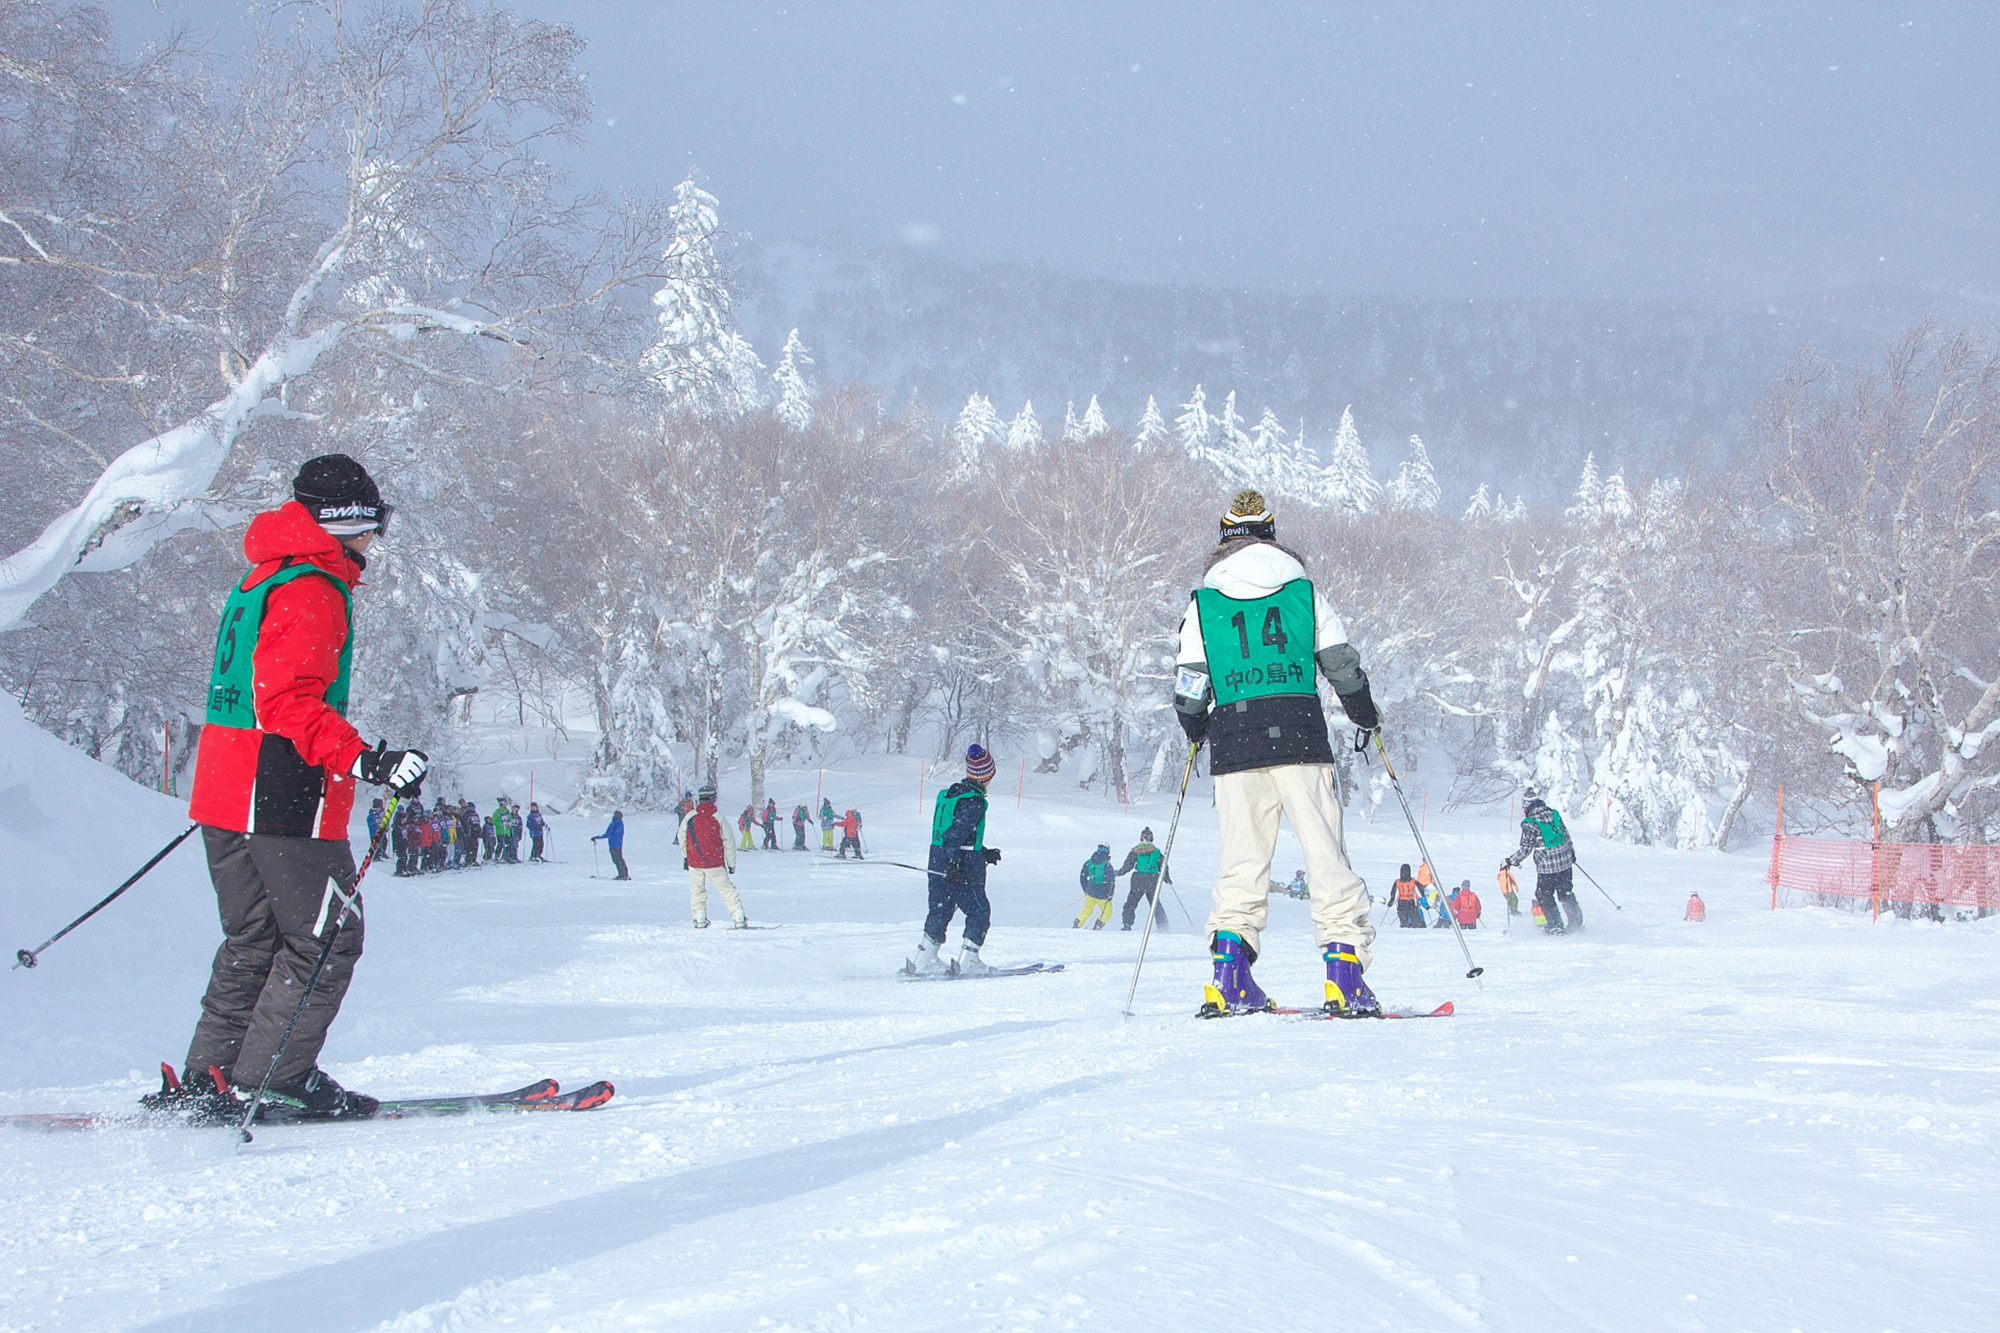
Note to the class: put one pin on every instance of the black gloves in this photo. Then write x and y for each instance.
(952, 873)
(401, 771)
(1360, 708)
(1195, 725)
(992, 856)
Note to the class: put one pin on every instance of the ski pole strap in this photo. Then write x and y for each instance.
(29, 957)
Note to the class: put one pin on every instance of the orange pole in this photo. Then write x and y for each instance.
(1023, 786)
(1424, 819)
(920, 786)
(1128, 789)
(1875, 859)
(1777, 841)
(167, 758)
(1876, 836)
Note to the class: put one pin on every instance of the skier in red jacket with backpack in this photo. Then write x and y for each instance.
(273, 789)
(709, 857)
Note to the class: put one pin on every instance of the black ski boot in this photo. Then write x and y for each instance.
(200, 1098)
(314, 1097)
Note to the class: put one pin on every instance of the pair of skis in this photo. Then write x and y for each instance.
(1445, 1010)
(951, 972)
(543, 1095)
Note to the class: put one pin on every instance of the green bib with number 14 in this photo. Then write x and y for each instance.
(1261, 646)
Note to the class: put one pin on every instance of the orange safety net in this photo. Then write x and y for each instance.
(1891, 876)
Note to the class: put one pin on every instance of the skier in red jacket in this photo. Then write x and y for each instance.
(709, 857)
(273, 787)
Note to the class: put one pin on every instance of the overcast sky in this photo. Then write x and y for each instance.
(1712, 153)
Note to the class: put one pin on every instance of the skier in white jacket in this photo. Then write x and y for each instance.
(1255, 636)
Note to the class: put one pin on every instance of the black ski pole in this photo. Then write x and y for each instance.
(325, 952)
(29, 957)
(1593, 879)
(1166, 857)
(1425, 852)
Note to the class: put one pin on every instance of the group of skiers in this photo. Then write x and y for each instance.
(1145, 863)
(454, 836)
(752, 820)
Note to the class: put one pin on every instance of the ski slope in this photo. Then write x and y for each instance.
(1767, 1121)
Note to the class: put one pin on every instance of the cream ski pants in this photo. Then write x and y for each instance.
(1249, 804)
(698, 882)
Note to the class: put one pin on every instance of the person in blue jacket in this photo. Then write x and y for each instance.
(614, 838)
(537, 829)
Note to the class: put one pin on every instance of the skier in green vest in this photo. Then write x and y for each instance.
(273, 788)
(1543, 835)
(1146, 865)
(958, 860)
(1099, 886)
(1255, 636)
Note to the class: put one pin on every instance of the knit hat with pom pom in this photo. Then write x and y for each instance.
(979, 765)
(1249, 516)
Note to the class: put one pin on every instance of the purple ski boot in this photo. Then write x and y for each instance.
(1347, 995)
(1234, 990)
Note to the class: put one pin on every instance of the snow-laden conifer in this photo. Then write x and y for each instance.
(1153, 430)
(1350, 484)
(1414, 489)
(699, 362)
(1093, 423)
(1025, 431)
(794, 390)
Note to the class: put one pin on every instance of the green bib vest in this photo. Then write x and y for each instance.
(231, 697)
(947, 810)
(1147, 861)
(1259, 647)
(1097, 871)
(1552, 830)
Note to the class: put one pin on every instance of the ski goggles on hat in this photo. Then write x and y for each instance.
(353, 518)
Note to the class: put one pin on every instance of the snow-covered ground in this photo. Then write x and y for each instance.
(1767, 1121)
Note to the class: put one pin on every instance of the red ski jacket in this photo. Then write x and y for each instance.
(704, 838)
(288, 775)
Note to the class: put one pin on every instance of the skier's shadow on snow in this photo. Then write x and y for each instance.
(363, 1291)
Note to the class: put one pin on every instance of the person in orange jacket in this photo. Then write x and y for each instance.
(1408, 915)
(1510, 889)
(849, 825)
(1697, 909)
(1465, 906)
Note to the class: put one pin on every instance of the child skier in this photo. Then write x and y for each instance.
(827, 819)
(1697, 910)
(1465, 906)
(744, 823)
(613, 838)
(273, 789)
(1543, 834)
(1510, 888)
(959, 857)
(850, 834)
(1254, 640)
(1098, 883)
(1408, 915)
(709, 858)
(800, 818)
(1147, 866)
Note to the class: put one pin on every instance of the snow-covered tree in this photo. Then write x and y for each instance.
(1153, 430)
(1024, 432)
(1481, 507)
(699, 361)
(794, 405)
(1072, 429)
(1589, 489)
(1350, 484)
(1415, 488)
(1194, 427)
(1094, 423)
(373, 197)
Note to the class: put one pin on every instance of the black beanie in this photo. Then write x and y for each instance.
(340, 495)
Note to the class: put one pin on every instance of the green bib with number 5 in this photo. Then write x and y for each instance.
(1261, 646)
(231, 685)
